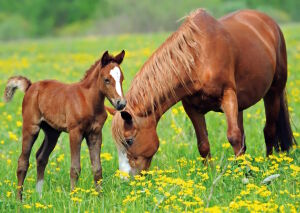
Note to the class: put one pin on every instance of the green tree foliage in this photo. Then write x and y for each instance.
(45, 16)
(34, 18)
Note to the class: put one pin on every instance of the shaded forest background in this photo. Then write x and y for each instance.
(40, 18)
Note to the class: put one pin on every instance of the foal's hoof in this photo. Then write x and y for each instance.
(19, 197)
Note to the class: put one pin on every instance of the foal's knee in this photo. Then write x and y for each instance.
(75, 172)
(23, 163)
(97, 174)
(40, 162)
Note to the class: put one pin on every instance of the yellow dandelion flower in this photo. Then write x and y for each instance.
(225, 145)
(39, 205)
(60, 158)
(76, 199)
(19, 123)
(8, 194)
(26, 206)
(8, 161)
(9, 117)
(106, 156)
(12, 136)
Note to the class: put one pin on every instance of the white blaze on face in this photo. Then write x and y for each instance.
(124, 165)
(116, 74)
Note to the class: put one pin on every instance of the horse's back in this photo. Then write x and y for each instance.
(49, 98)
(258, 40)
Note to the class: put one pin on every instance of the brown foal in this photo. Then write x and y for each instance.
(76, 108)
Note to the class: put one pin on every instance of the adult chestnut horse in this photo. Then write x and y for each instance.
(76, 108)
(224, 65)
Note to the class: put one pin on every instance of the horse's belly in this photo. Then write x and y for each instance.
(251, 89)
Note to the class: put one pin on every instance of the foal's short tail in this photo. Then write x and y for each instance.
(283, 126)
(13, 83)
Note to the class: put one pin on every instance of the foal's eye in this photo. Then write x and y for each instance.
(106, 81)
(129, 141)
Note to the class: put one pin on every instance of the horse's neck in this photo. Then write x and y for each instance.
(165, 102)
(174, 98)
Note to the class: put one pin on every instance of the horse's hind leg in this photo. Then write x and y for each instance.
(30, 132)
(199, 124)
(42, 155)
(241, 126)
(272, 107)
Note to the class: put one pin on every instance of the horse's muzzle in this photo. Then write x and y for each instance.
(119, 104)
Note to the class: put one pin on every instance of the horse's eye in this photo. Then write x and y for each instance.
(129, 141)
(106, 81)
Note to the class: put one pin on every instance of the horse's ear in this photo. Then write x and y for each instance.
(119, 58)
(105, 59)
(126, 117)
(110, 110)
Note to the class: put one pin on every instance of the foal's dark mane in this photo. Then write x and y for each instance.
(91, 69)
(174, 59)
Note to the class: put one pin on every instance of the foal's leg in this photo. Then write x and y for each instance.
(75, 145)
(272, 107)
(30, 132)
(199, 124)
(94, 142)
(241, 126)
(42, 155)
(229, 106)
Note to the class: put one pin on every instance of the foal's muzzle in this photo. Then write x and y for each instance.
(119, 104)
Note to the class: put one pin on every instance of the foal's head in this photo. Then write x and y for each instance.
(136, 140)
(110, 79)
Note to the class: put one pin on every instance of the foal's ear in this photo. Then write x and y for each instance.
(106, 59)
(126, 117)
(119, 58)
(110, 110)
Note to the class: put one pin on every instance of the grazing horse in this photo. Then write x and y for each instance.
(76, 108)
(224, 65)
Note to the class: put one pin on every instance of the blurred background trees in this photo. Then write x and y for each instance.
(38, 18)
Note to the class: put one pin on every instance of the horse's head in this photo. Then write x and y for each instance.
(136, 140)
(110, 79)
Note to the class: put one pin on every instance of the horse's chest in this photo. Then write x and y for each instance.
(204, 102)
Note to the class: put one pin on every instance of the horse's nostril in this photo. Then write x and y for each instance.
(118, 102)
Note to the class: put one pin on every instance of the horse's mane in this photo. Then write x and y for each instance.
(173, 60)
(91, 69)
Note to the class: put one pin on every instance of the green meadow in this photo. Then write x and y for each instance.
(177, 181)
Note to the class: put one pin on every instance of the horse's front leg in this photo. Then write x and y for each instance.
(75, 145)
(94, 141)
(199, 124)
(229, 106)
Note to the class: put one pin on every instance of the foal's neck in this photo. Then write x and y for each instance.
(91, 89)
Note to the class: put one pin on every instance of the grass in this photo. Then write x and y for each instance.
(178, 181)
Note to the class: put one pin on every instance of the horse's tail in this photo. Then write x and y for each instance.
(284, 131)
(13, 83)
